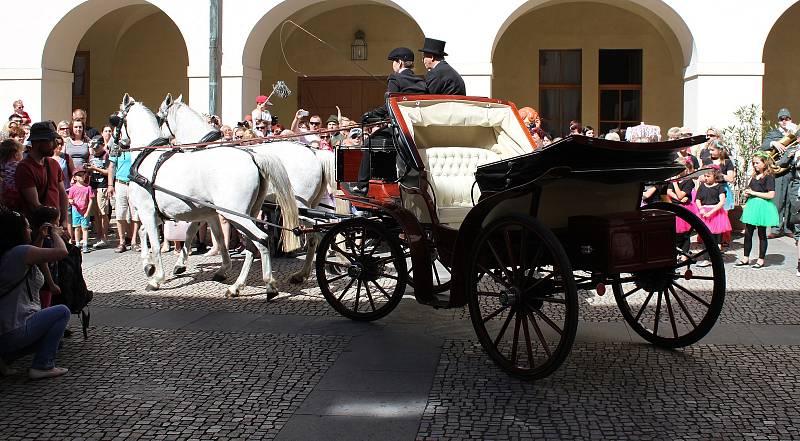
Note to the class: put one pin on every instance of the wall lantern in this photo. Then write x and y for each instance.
(358, 50)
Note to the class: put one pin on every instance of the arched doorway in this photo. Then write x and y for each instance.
(603, 65)
(781, 79)
(112, 48)
(329, 77)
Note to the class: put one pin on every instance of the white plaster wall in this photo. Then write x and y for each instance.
(721, 43)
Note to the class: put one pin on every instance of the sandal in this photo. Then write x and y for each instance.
(120, 249)
(742, 263)
(757, 265)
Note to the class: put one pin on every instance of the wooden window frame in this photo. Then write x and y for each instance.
(618, 87)
(561, 86)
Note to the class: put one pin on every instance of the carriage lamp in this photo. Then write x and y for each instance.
(358, 50)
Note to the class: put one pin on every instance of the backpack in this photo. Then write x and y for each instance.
(74, 294)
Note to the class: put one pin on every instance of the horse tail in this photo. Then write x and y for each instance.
(328, 169)
(274, 172)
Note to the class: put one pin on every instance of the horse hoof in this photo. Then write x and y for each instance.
(149, 270)
(231, 294)
(297, 279)
(218, 278)
(179, 270)
(151, 288)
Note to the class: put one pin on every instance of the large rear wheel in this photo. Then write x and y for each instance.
(678, 305)
(361, 269)
(523, 301)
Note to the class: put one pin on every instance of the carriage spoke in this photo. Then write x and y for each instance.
(503, 267)
(629, 293)
(388, 276)
(548, 299)
(509, 249)
(539, 334)
(644, 305)
(694, 277)
(534, 264)
(692, 295)
(337, 278)
(527, 338)
(369, 296)
(522, 253)
(548, 321)
(516, 338)
(358, 293)
(349, 256)
(658, 314)
(503, 330)
(383, 291)
(494, 314)
(682, 306)
(493, 276)
(538, 281)
(671, 315)
(346, 288)
(436, 273)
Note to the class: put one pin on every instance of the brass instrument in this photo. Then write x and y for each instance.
(789, 141)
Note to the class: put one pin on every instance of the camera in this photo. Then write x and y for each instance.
(243, 124)
(303, 113)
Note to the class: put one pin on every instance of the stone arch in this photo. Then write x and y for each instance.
(626, 24)
(663, 17)
(73, 26)
(781, 50)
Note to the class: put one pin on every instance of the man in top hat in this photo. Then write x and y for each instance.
(38, 176)
(441, 79)
(783, 183)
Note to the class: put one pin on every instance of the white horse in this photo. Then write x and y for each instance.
(231, 178)
(311, 171)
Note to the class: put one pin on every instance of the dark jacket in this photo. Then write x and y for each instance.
(406, 82)
(444, 80)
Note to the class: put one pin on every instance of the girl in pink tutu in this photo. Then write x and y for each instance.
(681, 192)
(710, 205)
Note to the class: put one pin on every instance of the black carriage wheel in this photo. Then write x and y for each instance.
(369, 280)
(676, 306)
(523, 300)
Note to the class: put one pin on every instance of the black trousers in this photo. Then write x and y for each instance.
(748, 240)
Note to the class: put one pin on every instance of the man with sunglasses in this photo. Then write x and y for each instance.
(314, 124)
(19, 111)
(783, 184)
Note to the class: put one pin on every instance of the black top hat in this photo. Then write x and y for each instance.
(402, 54)
(433, 46)
(43, 131)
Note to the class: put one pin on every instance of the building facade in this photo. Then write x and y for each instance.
(606, 63)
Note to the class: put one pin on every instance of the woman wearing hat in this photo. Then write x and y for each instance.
(441, 79)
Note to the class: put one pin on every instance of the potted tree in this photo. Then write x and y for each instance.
(743, 139)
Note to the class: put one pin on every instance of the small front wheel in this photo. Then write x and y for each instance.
(361, 269)
(523, 300)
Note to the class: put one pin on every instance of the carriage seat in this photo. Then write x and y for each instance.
(451, 175)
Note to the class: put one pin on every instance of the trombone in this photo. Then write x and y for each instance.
(789, 141)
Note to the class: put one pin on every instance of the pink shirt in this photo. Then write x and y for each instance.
(80, 196)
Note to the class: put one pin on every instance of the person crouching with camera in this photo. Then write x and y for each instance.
(24, 326)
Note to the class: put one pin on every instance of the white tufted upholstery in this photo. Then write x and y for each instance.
(451, 175)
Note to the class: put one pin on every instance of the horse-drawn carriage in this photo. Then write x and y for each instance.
(521, 235)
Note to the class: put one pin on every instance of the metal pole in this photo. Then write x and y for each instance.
(213, 57)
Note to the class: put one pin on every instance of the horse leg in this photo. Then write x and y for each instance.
(233, 290)
(260, 240)
(216, 231)
(180, 264)
(156, 269)
(312, 240)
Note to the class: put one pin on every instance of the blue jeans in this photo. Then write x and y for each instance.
(40, 335)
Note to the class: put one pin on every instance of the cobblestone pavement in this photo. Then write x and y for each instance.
(619, 391)
(765, 296)
(155, 384)
(184, 362)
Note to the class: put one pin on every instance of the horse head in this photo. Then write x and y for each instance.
(178, 120)
(133, 123)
